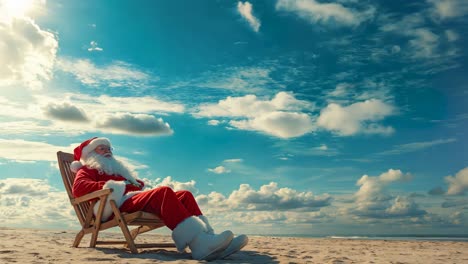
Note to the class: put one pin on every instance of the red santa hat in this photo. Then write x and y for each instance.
(82, 151)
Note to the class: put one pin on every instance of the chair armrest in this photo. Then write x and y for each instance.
(92, 196)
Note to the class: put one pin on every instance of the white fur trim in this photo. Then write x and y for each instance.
(75, 166)
(92, 145)
(208, 228)
(186, 231)
(129, 194)
(116, 195)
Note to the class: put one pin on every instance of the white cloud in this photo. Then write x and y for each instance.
(117, 74)
(458, 184)
(26, 199)
(446, 9)
(220, 170)
(284, 203)
(65, 112)
(214, 122)
(94, 46)
(372, 200)
(43, 113)
(245, 10)
(168, 181)
(279, 116)
(22, 150)
(316, 12)
(271, 198)
(27, 54)
(247, 79)
(233, 160)
(144, 104)
(127, 123)
(278, 124)
(424, 43)
(357, 118)
(417, 146)
(403, 207)
(451, 35)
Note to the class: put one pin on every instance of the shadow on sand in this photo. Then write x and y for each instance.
(243, 256)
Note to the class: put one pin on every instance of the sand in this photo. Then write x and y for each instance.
(53, 246)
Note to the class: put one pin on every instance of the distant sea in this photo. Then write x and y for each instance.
(429, 237)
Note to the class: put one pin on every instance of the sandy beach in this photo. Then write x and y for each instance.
(54, 246)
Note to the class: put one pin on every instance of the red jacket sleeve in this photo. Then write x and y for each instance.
(86, 181)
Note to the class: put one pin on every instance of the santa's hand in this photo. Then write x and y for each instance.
(133, 183)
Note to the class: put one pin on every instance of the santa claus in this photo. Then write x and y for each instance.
(96, 168)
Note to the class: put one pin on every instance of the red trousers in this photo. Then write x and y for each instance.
(172, 207)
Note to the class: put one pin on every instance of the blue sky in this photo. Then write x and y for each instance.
(283, 117)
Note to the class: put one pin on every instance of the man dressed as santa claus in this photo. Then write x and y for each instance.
(96, 169)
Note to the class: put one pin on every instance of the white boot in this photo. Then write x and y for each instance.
(236, 244)
(191, 232)
(208, 246)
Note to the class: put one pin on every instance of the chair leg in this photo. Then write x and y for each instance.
(128, 237)
(140, 230)
(94, 237)
(123, 226)
(78, 238)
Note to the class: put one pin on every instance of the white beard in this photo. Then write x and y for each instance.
(109, 166)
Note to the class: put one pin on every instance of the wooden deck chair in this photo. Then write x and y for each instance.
(84, 210)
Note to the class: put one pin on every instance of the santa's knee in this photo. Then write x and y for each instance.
(185, 194)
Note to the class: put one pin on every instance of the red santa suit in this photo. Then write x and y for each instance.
(172, 207)
(179, 210)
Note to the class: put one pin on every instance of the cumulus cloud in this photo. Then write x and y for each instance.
(271, 197)
(245, 10)
(220, 170)
(127, 123)
(280, 116)
(373, 200)
(43, 113)
(227, 166)
(27, 53)
(326, 13)
(279, 124)
(26, 199)
(65, 112)
(168, 181)
(117, 74)
(446, 9)
(403, 207)
(357, 118)
(458, 184)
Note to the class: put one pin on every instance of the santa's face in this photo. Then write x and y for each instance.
(104, 150)
(104, 162)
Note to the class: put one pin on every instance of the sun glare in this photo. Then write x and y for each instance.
(16, 8)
